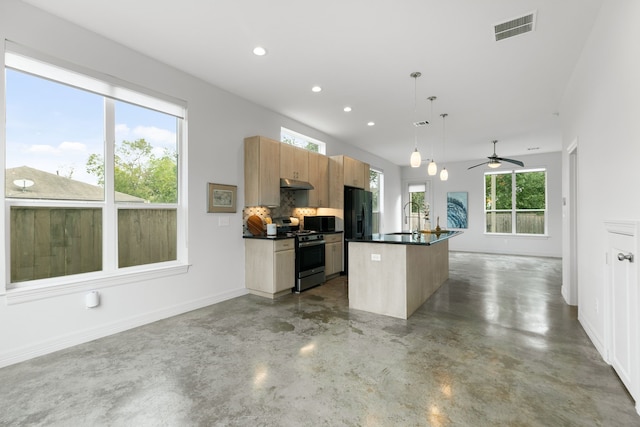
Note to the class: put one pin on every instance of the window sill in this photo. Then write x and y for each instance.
(22, 294)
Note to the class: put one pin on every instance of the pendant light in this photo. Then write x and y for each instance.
(416, 159)
(432, 169)
(444, 175)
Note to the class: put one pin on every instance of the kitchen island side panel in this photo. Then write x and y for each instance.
(378, 286)
(395, 279)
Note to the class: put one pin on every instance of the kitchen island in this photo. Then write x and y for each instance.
(394, 274)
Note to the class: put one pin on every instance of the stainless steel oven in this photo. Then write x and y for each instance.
(310, 259)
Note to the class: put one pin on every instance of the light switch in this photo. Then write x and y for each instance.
(375, 257)
(223, 221)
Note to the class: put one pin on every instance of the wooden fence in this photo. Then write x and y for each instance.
(526, 222)
(146, 236)
(52, 242)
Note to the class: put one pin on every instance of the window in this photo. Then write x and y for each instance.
(416, 210)
(376, 182)
(77, 204)
(516, 198)
(297, 139)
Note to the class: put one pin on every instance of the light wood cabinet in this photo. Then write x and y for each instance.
(354, 172)
(294, 162)
(344, 170)
(261, 172)
(269, 266)
(319, 178)
(333, 254)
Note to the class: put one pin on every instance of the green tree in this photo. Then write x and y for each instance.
(530, 190)
(139, 172)
(307, 145)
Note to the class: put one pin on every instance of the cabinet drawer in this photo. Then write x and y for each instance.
(333, 238)
(283, 245)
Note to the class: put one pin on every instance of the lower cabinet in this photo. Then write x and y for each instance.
(333, 254)
(269, 266)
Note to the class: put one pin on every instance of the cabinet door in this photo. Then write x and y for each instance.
(353, 172)
(284, 270)
(319, 178)
(337, 257)
(336, 182)
(294, 162)
(333, 258)
(328, 259)
(261, 178)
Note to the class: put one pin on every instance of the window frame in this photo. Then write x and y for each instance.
(514, 210)
(25, 60)
(380, 211)
(322, 146)
(406, 198)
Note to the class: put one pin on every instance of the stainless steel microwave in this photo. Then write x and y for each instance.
(322, 223)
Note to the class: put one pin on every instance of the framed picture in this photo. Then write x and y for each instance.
(457, 205)
(222, 198)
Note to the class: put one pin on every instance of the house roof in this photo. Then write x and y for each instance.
(54, 187)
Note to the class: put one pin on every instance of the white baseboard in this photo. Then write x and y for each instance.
(65, 341)
(593, 336)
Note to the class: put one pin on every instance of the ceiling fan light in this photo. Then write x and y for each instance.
(432, 169)
(494, 165)
(444, 175)
(416, 159)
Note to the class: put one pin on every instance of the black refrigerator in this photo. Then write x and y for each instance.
(358, 213)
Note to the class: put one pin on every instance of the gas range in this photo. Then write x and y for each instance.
(310, 259)
(306, 235)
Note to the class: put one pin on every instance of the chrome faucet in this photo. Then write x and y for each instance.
(416, 232)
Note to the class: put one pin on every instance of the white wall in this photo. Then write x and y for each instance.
(217, 124)
(474, 238)
(600, 110)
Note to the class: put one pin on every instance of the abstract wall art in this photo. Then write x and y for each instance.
(457, 213)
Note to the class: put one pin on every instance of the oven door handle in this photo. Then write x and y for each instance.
(314, 243)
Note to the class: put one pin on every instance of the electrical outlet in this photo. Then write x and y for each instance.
(376, 257)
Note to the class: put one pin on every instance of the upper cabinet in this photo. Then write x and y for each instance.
(319, 178)
(347, 171)
(354, 173)
(267, 160)
(294, 162)
(261, 172)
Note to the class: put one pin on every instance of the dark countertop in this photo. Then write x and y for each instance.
(265, 237)
(426, 239)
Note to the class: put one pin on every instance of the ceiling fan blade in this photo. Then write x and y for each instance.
(515, 162)
(485, 163)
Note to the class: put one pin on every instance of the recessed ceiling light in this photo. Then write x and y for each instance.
(316, 89)
(259, 51)
(347, 109)
(371, 124)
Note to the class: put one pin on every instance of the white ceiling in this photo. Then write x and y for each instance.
(362, 52)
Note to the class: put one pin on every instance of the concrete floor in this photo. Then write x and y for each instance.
(496, 345)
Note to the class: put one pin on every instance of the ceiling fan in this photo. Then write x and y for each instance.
(495, 161)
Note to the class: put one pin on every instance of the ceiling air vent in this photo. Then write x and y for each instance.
(514, 27)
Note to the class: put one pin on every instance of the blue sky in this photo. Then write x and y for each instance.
(55, 128)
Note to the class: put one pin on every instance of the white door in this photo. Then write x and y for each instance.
(624, 342)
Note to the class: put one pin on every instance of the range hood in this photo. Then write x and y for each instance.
(294, 184)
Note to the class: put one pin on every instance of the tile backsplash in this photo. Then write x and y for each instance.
(286, 209)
